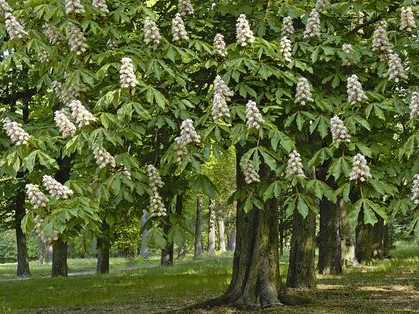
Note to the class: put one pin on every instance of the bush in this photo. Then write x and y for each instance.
(8, 246)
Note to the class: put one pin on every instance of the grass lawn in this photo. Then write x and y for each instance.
(141, 286)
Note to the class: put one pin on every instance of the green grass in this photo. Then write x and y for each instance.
(141, 286)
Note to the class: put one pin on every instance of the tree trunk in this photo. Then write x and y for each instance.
(166, 258)
(330, 257)
(59, 259)
(144, 248)
(301, 270)
(346, 236)
(221, 234)
(377, 235)
(198, 227)
(103, 247)
(281, 230)
(231, 240)
(211, 228)
(363, 249)
(22, 250)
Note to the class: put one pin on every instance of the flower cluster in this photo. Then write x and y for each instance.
(65, 126)
(313, 25)
(414, 106)
(126, 73)
(250, 174)
(156, 205)
(360, 170)
(180, 150)
(151, 32)
(287, 28)
(62, 93)
(154, 178)
(339, 130)
(14, 28)
(415, 189)
(35, 196)
(407, 19)
(244, 34)
(355, 92)
(380, 41)
(294, 166)
(220, 87)
(285, 49)
(219, 47)
(76, 39)
(322, 4)
(44, 238)
(74, 6)
(55, 188)
(303, 93)
(185, 7)
(101, 5)
(52, 34)
(14, 130)
(178, 29)
(103, 157)
(43, 56)
(4, 7)
(222, 94)
(395, 68)
(80, 114)
(347, 48)
(188, 134)
(253, 116)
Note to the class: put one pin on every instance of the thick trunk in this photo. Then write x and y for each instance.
(59, 259)
(221, 234)
(103, 247)
(346, 236)
(211, 228)
(301, 270)
(22, 250)
(378, 238)
(198, 227)
(330, 257)
(166, 258)
(363, 249)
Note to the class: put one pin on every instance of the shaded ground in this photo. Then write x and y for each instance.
(390, 286)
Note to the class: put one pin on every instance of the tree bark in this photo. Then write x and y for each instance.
(363, 249)
(103, 247)
(346, 236)
(211, 228)
(59, 259)
(221, 234)
(22, 250)
(378, 236)
(144, 248)
(231, 240)
(166, 258)
(198, 227)
(330, 254)
(301, 270)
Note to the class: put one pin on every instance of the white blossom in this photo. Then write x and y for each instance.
(221, 88)
(321, 4)
(74, 6)
(156, 205)
(380, 41)
(313, 25)
(244, 34)
(253, 117)
(414, 106)
(35, 196)
(14, 130)
(347, 48)
(287, 28)
(62, 93)
(52, 34)
(80, 114)
(103, 157)
(360, 170)
(101, 5)
(4, 7)
(43, 56)
(154, 178)
(294, 166)
(219, 46)
(355, 92)
(76, 39)
(13, 27)
(395, 68)
(415, 189)
(65, 126)
(219, 107)
(303, 93)
(55, 188)
(339, 130)
(285, 49)
(151, 32)
(250, 174)
(127, 76)
(407, 19)
(188, 134)
(185, 7)
(178, 29)
(180, 150)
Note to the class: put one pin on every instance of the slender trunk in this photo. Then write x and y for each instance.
(330, 257)
(221, 234)
(231, 240)
(59, 259)
(22, 250)
(380, 238)
(363, 249)
(301, 270)
(198, 227)
(211, 228)
(166, 258)
(103, 247)
(281, 230)
(386, 240)
(346, 236)
(144, 248)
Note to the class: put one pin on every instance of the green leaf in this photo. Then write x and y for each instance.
(302, 207)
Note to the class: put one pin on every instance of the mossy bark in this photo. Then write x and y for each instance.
(301, 270)
(347, 236)
(23, 269)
